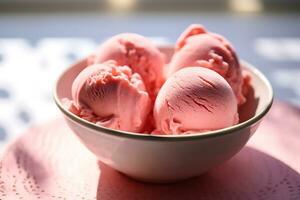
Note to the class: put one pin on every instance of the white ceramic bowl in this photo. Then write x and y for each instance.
(164, 159)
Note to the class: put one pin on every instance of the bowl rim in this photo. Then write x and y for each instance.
(194, 136)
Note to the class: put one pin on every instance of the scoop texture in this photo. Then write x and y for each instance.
(112, 96)
(200, 48)
(138, 53)
(194, 99)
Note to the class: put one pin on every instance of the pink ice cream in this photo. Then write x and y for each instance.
(139, 54)
(198, 47)
(112, 96)
(194, 99)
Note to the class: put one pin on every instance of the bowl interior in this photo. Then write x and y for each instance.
(259, 97)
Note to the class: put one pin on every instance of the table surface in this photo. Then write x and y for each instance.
(39, 166)
(35, 48)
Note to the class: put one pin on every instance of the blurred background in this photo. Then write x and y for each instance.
(40, 38)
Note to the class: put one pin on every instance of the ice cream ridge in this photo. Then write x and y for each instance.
(198, 47)
(111, 96)
(137, 52)
(195, 99)
(127, 85)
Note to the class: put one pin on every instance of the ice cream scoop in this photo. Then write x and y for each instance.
(194, 99)
(137, 52)
(198, 47)
(112, 96)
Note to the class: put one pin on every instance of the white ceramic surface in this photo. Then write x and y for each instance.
(164, 159)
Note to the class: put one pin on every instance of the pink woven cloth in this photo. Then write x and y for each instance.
(48, 162)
